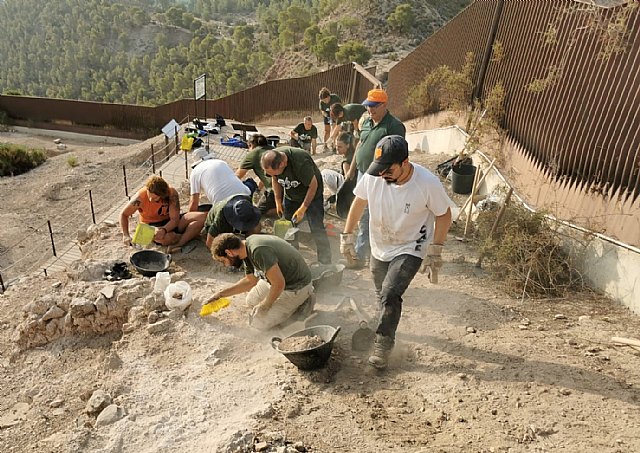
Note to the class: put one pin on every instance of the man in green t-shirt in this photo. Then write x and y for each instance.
(297, 188)
(327, 99)
(380, 124)
(257, 145)
(235, 214)
(347, 117)
(276, 276)
(305, 135)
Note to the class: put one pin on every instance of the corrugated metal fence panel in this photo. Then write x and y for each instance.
(297, 94)
(63, 114)
(468, 32)
(582, 128)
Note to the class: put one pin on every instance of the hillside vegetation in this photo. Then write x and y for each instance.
(150, 51)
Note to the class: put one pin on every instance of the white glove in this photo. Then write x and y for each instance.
(432, 263)
(347, 246)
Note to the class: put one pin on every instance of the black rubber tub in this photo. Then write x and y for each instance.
(313, 358)
(150, 262)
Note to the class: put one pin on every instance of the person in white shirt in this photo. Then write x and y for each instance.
(410, 216)
(215, 178)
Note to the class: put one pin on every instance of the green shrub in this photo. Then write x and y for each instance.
(72, 161)
(17, 159)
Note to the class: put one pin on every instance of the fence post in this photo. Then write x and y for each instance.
(45, 271)
(53, 245)
(176, 139)
(93, 212)
(2, 284)
(153, 160)
(186, 165)
(126, 189)
(160, 173)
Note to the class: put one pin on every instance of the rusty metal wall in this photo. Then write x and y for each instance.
(467, 32)
(80, 116)
(273, 97)
(583, 128)
(581, 133)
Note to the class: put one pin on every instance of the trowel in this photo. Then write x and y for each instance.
(362, 339)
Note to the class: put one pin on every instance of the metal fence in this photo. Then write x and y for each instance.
(44, 245)
(574, 135)
(132, 121)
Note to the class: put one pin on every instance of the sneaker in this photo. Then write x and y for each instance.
(381, 350)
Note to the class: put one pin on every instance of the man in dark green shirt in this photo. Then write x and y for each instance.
(347, 117)
(276, 276)
(257, 146)
(235, 214)
(305, 135)
(327, 99)
(297, 187)
(380, 124)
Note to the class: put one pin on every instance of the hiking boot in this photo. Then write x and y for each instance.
(381, 350)
(351, 263)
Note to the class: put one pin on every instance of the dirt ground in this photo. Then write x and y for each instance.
(473, 370)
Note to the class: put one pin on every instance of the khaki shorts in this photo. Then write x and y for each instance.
(283, 307)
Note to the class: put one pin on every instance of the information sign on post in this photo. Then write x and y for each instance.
(200, 92)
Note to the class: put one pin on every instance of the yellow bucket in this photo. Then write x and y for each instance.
(144, 234)
(281, 226)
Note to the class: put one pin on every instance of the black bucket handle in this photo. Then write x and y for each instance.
(333, 337)
(275, 342)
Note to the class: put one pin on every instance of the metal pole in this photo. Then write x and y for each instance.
(186, 165)
(2, 284)
(153, 160)
(53, 245)
(45, 271)
(477, 92)
(161, 173)
(126, 189)
(93, 212)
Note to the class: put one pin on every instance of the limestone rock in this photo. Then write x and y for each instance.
(161, 326)
(80, 307)
(53, 312)
(111, 414)
(98, 401)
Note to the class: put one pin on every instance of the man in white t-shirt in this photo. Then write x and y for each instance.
(409, 219)
(216, 179)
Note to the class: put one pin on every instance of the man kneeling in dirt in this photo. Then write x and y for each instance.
(409, 219)
(276, 276)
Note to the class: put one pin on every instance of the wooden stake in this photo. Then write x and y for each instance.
(473, 192)
(494, 227)
(464, 206)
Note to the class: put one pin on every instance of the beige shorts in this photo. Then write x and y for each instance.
(283, 307)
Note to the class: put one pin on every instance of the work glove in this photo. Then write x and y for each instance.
(299, 214)
(347, 246)
(279, 208)
(432, 263)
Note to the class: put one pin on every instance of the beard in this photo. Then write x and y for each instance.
(236, 262)
(390, 181)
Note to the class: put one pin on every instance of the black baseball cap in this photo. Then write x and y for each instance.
(392, 149)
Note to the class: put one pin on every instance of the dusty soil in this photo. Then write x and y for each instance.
(473, 370)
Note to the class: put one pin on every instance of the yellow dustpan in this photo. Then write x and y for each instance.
(214, 306)
(144, 234)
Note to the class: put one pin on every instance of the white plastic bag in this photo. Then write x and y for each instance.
(162, 281)
(177, 296)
